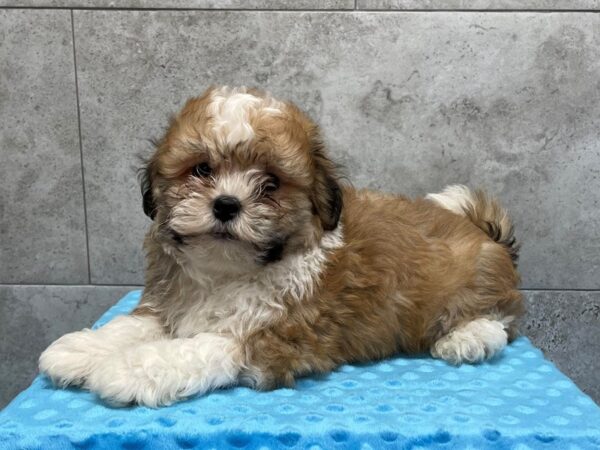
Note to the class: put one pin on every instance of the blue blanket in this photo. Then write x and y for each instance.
(518, 401)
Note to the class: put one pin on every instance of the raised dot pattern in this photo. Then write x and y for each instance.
(517, 401)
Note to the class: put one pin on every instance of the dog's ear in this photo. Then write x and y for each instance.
(327, 194)
(145, 176)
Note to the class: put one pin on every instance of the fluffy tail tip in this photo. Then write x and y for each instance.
(484, 211)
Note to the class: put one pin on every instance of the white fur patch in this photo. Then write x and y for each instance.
(231, 110)
(333, 239)
(240, 184)
(194, 216)
(240, 304)
(71, 359)
(473, 342)
(161, 372)
(130, 359)
(455, 198)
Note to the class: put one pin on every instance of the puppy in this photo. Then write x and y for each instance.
(262, 267)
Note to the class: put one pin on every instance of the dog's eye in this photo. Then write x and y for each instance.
(272, 183)
(201, 170)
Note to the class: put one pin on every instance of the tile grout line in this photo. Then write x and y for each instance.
(348, 10)
(87, 238)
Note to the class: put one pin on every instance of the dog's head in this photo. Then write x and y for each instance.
(238, 180)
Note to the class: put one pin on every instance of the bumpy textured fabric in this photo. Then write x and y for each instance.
(518, 401)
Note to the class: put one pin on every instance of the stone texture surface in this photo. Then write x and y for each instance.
(184, 4)
(566, 326)
(31, 317)
(42, 227)
(553, 5)
(408, 102)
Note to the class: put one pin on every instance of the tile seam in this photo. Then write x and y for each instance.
(345, 11)
(87, 238)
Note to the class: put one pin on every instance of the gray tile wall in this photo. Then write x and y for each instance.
(33, 316)
(409, 101)
(185, 4)
(42, 226)
(486, 5)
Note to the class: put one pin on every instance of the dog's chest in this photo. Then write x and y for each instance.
(239, 305)
(236, 307)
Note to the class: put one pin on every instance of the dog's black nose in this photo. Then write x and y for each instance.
(226, 207)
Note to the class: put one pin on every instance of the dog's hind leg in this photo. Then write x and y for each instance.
(472, 342)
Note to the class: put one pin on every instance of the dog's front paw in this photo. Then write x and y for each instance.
(135, 377)
(70, 359)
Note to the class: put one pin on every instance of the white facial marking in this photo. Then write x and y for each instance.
(239, 184)
(232, 109)
(455, 198)
(472, 342)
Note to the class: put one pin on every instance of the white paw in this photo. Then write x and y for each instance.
(472, 342)
(70, 359)
(136, 377)
(164, 371)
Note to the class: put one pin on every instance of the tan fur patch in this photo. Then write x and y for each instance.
(408, 273)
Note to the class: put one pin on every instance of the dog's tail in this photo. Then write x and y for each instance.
(484, 211)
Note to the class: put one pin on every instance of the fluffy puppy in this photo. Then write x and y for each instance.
(262, 268)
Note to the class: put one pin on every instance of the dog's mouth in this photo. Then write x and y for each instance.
(182, 239)
(223, 236)
(267, 253)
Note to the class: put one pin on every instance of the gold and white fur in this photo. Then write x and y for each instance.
(300, 275)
